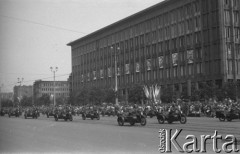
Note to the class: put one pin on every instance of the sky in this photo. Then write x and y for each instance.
(34, 34)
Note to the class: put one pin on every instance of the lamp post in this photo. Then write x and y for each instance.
(54, 70)
(20, 93)
(116, 74)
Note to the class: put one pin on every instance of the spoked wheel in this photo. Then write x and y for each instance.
(120, 121)
(143, 121)
(161, 120)
(221, 118)
(183, 119)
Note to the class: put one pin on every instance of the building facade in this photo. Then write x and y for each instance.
(6, 96)
(178, 43)
(41, 88)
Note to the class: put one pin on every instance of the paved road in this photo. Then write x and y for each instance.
(19, 135)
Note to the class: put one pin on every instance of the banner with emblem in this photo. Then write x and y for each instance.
(127, 71)
(109, 72)
(94, 75)
(101, 73)
(174, 59)
(160, 62)
(190, 56)
(88, 76)
(137, 67)
(149, 64)
(82, 78)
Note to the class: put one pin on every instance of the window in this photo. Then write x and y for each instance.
(227, 17)
(227, 32)
(237, 33)
(236, 17)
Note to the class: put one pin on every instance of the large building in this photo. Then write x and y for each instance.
(178, 43)
(41, 88)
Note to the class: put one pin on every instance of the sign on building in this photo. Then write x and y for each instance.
(127, 71)
(137, 67)
(190, 56)
(174, 59)
(160, 61)
(109, 72)
(149, 64)
(101, 73)
(94, 75)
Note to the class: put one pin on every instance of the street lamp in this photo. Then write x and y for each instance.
(54, 70)
(115, 69)
(20, 93)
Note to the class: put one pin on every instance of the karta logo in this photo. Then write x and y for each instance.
(169, 140)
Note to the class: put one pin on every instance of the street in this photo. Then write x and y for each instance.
(44, 135)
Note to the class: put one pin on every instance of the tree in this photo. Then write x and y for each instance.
(82, 97)
(96, 95)
(7, 103)
(26, 101)
(43, 100)
(109, 95)
(136, 94)
(168, 95)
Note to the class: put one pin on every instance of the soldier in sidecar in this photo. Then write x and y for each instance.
(91, 112)
(131, 116)
(50, 112)
(31, 112)
(63, 113)
(230, 114)
(173, 114)
(14, 112)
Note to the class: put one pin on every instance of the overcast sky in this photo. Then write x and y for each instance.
(34, 34)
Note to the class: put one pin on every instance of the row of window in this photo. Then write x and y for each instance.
(52, 84)
(182, 71)
(173, 18)
(56, 89)
(56, 94)
(107, 52)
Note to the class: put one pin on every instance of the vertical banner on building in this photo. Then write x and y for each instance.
(127, 71)
(109, 72)
(190, 56)
(148, 64)
(137, 67)
(88, 76)
(94, 75)
(101, 73)
(160, 61)
(82, 78)
(118, 71)
(174, 59)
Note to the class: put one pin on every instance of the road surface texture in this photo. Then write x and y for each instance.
(44, 135)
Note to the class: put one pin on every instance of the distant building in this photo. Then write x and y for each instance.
(6, 96)
(176, 43)
(41, 88)
(21, 91)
